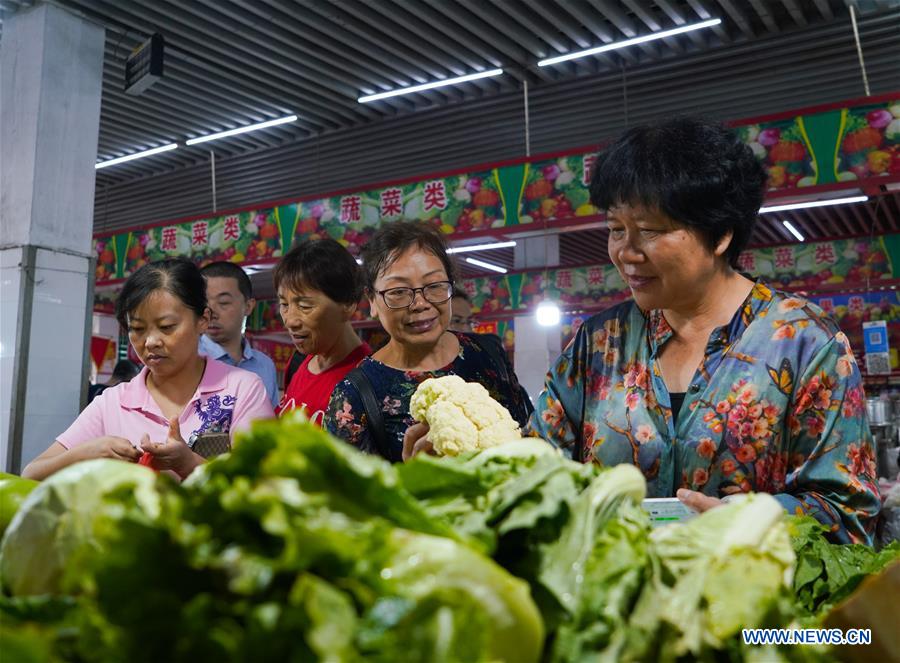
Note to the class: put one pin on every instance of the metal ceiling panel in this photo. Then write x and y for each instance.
(235, 62)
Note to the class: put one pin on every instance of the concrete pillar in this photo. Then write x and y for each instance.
(537, 347)
(51, 72)
(536, 252)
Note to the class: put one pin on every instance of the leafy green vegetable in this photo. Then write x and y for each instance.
(499, 620)
(291, 549)
(698, 597)
(827, 574)
(565, 559)
(13, 491)
(485, 494)
(354, 483)
(56, 530)
(296, 547)
(575, 533)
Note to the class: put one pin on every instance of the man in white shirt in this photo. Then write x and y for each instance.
(230, 297)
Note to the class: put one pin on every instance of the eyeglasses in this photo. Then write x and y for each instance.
(435, 293)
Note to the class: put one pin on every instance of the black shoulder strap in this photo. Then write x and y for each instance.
(493, 346)
(370, 404)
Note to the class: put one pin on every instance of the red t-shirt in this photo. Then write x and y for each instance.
(312, 392)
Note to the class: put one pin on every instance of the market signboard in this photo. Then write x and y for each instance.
(814, 265)
(819, 148)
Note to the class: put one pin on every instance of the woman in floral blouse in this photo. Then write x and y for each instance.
(409, 283)
(708, 382)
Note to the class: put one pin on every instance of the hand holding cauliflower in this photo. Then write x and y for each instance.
(462, 416)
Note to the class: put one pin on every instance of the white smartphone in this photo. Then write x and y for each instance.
(667, 510)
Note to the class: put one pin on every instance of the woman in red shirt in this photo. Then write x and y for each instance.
(319, 286)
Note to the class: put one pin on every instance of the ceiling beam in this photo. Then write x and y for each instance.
(762, 10)
(824, 9)
(586, 15)
(646, 16)
(701, 11)
(678, 18)
(626, 26)
(738, 17)
(796, 12)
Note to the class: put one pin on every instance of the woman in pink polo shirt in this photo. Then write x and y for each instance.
(178, 398)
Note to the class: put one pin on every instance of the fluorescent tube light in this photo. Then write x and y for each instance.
(429, 86)
(794, 231)
(256, 269)
(486, 265)
(631, 42)
(241, 130)
(136, 155)
(480, 247)
(813, 203)
(547, 314)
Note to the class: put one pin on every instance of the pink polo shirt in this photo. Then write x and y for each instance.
(226, 400)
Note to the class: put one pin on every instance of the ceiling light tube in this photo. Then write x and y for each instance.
(242, 130)
(429, 86)
(480, 247)
(631, 42)
(486, 265)
(255, 269)
(136, 155)
(813, 203)
(794, 231)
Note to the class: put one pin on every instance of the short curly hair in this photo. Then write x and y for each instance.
(695, 171)
(324, 265)
(392, 240)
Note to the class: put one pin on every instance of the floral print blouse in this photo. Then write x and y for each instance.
(394, 388)
(777, 406)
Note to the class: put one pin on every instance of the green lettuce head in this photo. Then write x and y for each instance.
(57, 530)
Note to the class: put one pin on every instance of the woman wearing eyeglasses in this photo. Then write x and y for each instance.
(409, 282)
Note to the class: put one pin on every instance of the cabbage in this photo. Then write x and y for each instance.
(295, 546)
(55, 531)
(292, 547)
(13, 491)
(728, 569)
(575, 533)
(462, 606)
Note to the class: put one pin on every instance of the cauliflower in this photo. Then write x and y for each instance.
(462, 416)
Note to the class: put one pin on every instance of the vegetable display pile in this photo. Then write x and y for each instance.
(296, 547)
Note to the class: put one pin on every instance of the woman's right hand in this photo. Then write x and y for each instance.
(109, 446)
(56, 456)
(415, 441)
